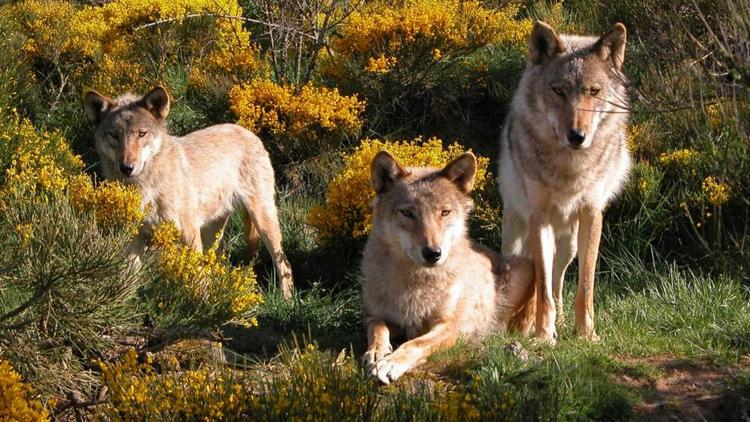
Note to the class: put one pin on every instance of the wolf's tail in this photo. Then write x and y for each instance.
(518, 300)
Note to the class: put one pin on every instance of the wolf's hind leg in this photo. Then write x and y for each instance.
(252, 237)
(264, 216)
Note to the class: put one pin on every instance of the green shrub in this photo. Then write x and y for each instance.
(411, 60)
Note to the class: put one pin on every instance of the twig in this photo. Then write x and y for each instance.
(221, 16)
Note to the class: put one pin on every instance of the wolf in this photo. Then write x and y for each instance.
(563, 158)
(195, 181)
(424, 279)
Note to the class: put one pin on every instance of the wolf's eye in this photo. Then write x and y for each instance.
(558, 91)
(113, 135)
(595, 91)
(407, 213)
(445, 213)
(142, 133)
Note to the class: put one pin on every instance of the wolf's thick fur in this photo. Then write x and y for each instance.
(196, 181)
(563, 157)
(425, 279)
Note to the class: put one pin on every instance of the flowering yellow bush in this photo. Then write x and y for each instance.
(312, 386)
(385, 34)
(32, 161)
(306, 386)
(16, 403)
(714, 116)
(25, 233)
(347, 212)
(98, 46)
(203, 279)
(680, 157)
(417, 60)
(308, 120)
(235, 57)
(451, 24)
(114, 205)
(138, 392)
(634, 133)
(381, 64)
(715, 191)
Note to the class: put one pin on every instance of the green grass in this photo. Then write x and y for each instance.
(670, 293)
(646, 308)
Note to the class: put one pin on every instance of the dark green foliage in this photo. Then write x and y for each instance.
(65, 294)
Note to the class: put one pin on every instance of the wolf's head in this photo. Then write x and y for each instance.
(128, 130)
(422, 211)
(580, 80)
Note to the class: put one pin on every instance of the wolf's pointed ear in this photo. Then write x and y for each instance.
(544, 43)
(385, 171)
(462, 171)
(96, 106)
(612, 45)
(156, 102)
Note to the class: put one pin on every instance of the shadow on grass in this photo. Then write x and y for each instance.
(332, 320)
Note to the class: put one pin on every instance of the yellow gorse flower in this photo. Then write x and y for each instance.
(634, 131)
(264, 105)
(308, 117)
(347, 212)
(115, 206)
(716, 192)
(381, 64)
(25, 233)
(204, 276)
(714, 116)
(95, 43)
(40, 162)
(138, 392)
(384, 31)
(680, 157)
(16, 402)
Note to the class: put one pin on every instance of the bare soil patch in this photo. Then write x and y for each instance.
(689, 391)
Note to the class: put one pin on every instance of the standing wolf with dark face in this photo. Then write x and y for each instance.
(195, 181)
(563, 157)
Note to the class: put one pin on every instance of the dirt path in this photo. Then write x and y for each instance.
(689, 391)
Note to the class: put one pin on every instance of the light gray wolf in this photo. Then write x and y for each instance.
(424, 278)
(195, 181)
(563, 158)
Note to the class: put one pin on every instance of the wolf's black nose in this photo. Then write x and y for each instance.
(126, 169)
(431, 255)
(576, 137)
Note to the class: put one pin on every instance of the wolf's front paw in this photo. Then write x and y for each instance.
(546, 337)
(370, 358)
(390, 369)
(589, 335)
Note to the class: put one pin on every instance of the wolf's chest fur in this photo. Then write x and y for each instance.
(409, 299)
(539, 171)
(421, 296)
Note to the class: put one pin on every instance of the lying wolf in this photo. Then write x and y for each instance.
(425, 279)
(563, 157)
(196, 181)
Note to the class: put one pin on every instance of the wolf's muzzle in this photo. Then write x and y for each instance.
(126, 169)
(576, 137)
(431, 255)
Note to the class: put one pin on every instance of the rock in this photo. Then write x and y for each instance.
(516, 349)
